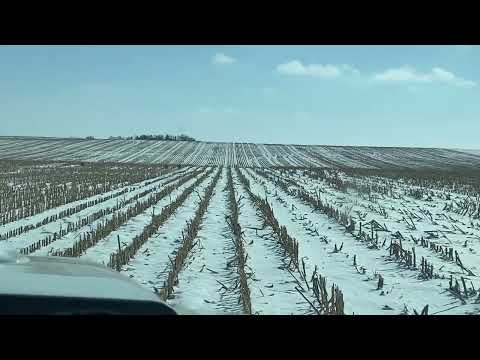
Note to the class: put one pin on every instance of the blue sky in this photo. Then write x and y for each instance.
(340, 95)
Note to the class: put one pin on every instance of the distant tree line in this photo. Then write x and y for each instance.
(167, 137)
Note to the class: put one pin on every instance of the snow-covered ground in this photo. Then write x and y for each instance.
(207, 283)
(34, 235)
(202, 282)
(133, 189)
(101, 252)
(272, 288)
(150, 266)
(240, 154)
(406, 288)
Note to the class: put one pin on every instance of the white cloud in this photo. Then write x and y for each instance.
(222, 59)
(295, 67)
(405, 74)
(409, 74)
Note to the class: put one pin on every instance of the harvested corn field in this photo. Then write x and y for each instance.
(197, 153)
(266, 240)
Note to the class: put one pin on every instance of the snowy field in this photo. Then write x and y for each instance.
(232, 154)
(237, 240)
